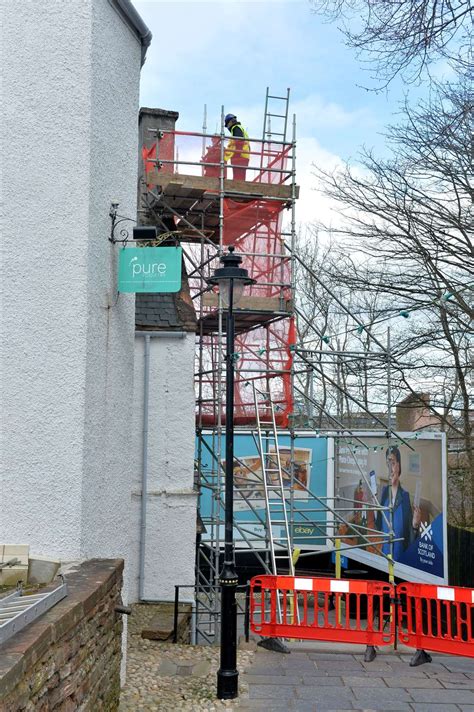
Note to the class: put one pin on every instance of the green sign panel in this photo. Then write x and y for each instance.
(150, 269)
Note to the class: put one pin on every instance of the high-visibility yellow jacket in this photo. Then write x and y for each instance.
(237, 146)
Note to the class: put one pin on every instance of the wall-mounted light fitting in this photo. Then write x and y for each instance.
(139, 232)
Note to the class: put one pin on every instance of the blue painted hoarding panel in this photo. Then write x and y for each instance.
(311, 472)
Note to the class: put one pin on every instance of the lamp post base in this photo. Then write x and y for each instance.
(227, 684)
(227, 675)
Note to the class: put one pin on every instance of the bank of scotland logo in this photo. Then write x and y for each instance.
(426, 531)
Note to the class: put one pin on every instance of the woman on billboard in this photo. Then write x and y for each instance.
(406, 521)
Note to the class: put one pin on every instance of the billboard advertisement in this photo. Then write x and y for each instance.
(374, 475)
(313, 470)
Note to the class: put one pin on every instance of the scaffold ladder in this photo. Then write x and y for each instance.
(275, 502)
(18, 610)
(275, 115)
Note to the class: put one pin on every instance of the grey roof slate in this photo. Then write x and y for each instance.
(166, 311)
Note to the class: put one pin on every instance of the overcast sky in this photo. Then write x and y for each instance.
(226, 52)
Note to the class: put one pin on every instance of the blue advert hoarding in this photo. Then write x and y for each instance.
(409, 475)
(313, 464)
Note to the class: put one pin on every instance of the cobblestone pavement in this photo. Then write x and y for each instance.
(313, 678)
(167, 678)
(162, 677)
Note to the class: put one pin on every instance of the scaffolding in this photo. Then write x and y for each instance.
(190, 195)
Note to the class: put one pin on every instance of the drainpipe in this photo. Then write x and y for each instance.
(146, 401)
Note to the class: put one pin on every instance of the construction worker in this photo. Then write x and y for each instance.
(238, 149)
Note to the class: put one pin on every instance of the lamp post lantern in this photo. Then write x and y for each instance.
(231, 280)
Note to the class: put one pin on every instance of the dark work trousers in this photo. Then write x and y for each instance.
(239, 166)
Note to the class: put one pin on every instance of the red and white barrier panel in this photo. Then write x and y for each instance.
(323, 609)
(437, 618)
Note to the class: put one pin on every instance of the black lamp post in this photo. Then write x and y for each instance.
(231, 280)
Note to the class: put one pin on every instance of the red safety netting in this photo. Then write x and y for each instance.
(262, 350)
(192, 154)
(277, 360)
(166, 156)
(263, 353)
(268, 368)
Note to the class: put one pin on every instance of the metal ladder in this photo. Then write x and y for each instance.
(275, 501)
(18, 610)
(276, 112)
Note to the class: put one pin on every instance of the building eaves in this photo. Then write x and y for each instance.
(131, 17)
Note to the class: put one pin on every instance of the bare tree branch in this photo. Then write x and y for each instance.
(410, 222)
(404, 36)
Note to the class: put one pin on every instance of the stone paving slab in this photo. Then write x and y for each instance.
(275, 692)
(262, 705)
(363, 681)
(350, 665)
(413, 683)
(321, 674)
(307, 668)
(376, 665)
(408, 672)
(322, 682)
(458, 684)
(330, 656)
(382, 695)
(329, 695)
(460, 665)
(434, 667)
(273, 679)
(422, 707)
(449, 696)
(267, 670)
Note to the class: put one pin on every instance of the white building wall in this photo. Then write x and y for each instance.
(171, 501)
(69, 141)
(116, 59)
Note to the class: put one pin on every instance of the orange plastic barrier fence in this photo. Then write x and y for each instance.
(323, 609)
(423, 616)
(437, 618)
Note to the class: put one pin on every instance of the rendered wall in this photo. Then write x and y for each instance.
(171, 501)
(69, 144)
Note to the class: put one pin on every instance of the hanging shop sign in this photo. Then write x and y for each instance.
(150, 269)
